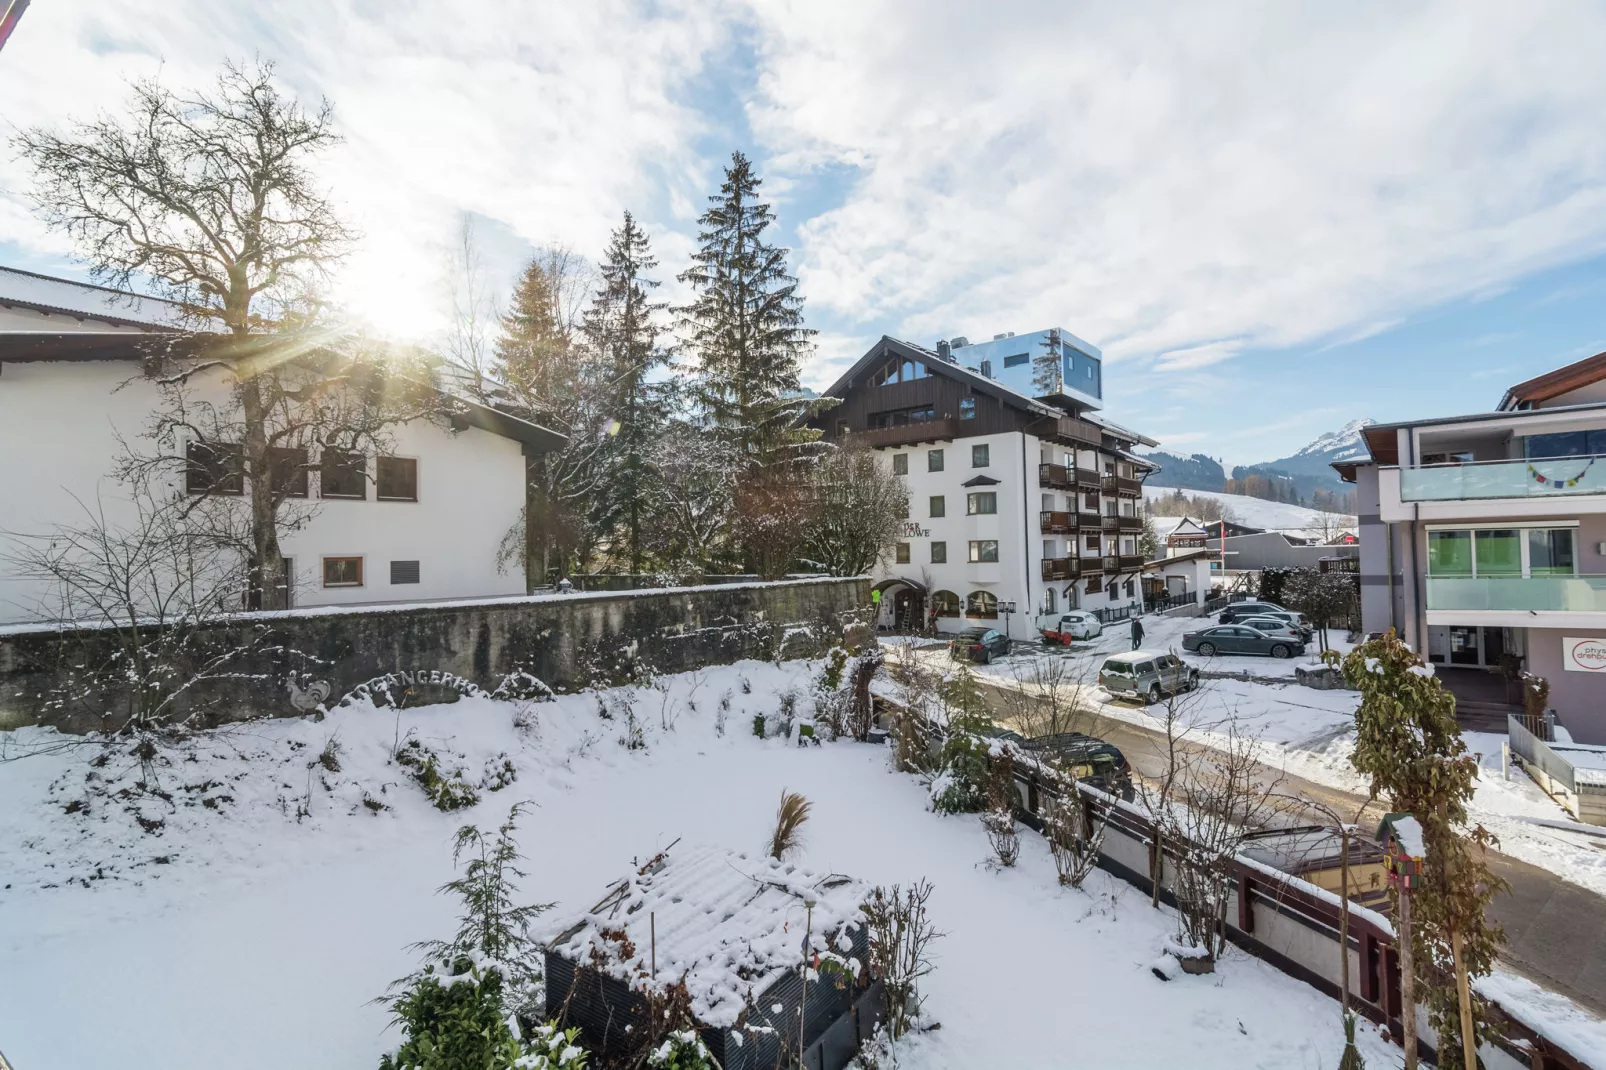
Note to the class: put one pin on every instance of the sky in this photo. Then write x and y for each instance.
(1272, 217)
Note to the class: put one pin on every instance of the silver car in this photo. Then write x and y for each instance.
(1146, 674)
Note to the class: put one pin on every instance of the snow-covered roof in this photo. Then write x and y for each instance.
(727, 924)
(46, 293)
(1118, 431)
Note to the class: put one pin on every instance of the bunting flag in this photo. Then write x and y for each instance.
(1540, 477)
(8, 21)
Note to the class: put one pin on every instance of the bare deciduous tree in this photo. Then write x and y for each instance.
(901, 934)
(859, 510)
(212, 197)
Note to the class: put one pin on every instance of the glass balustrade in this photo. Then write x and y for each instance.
(1504, 479)
(1555, 594)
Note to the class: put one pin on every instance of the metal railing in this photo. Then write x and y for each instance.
(1564, 594)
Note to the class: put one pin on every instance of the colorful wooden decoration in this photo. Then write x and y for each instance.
(1404, 850)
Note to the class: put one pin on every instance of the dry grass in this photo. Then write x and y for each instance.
(789, 819)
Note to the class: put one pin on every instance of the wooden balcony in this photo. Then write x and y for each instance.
(1121, 486)
(1068, 431)
(1124, 563)
(1109, 523)
(945, 429)
(1059, 568)
(1088, 479)
(1130, 524)
(1056, 523)
(1091, 566)
(1112, 564)
(1053, 475)
(1087, 521)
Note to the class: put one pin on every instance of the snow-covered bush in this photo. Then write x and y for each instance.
(960, 786)
(900, 935)
(499, 773)
(1075, 834)
(551, 1048)
(1003, 835)
(453, 1018)
(681, 1050)
(447, 791)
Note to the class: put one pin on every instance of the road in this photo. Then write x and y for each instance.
(1555, 930)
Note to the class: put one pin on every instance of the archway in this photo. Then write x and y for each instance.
(903, 605)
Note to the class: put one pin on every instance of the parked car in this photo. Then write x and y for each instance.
(1061, 628)
(1234, 611)
(1085, 757)
(1240, 639)
(980, 645)
(1279, 626)
(1147, 675)
(1299, 621)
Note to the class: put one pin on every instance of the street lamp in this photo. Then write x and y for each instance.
(1006, 608)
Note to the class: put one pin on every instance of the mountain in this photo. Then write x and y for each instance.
(1197, 472)
(1309, 469)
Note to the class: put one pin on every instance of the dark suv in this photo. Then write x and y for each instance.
(980, 645)
(1087, 758)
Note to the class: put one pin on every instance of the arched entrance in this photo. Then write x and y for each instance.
(903, 605)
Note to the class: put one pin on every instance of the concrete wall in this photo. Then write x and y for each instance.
(1251, 553)
(66, 418)
(1579, 697)
(567, 641)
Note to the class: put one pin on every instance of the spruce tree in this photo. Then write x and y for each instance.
(745, 325)
(622, 327)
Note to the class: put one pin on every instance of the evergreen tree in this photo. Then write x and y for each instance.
(746, 327)
(622, 327)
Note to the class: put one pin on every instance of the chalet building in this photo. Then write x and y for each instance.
(423, 522)
(1186, 534)
(1022, 496)
(1483, 542)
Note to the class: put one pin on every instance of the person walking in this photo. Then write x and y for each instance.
(1137, 633)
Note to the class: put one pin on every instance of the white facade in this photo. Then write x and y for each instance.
(61, 428)
(1015, 527)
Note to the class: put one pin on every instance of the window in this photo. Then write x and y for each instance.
(396, 479)
(981, 502)
(1015, 360)
(342, 474)
(934, 460)
(841, 428)
(900, 464)
(214, 468)
(1127, 588)
(982, 604)
(899, 371)
(967, 408)
(1498, 552)
(1450, 553)
(979, 457)
(983, 551)
(1113, 591)
(946, 603)
(939, 505)
(1092, 542)
(342, 572)
(903, 417)
(1566, 444)
(1550, 552)
(1090, 502)
(939, 553)
(900, 553)
(404, 572)
(289, 468)
(1048, 600)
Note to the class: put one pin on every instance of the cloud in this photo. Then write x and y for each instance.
(1156, 176)
(1200, 356)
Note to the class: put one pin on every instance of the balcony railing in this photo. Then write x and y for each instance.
(1121, 485)
(1088, 521)
(1131, 562)
(1053, 475)
(1519, 594)
(1087, 479)
(1112, 563)
(1092, 566)
(1131, 523)
(1504, 479)
(904, 434)
(1109, 523)
(1059, 568)
(1057, 523)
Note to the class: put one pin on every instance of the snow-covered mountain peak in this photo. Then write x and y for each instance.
(1345, 440)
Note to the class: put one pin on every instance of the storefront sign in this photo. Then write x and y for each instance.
(1583, 655)
(912, 530)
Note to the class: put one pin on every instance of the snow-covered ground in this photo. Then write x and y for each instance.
(1311, 734)
(249, 921)
(1256, 512)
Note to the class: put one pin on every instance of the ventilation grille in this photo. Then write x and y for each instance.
(404, 572)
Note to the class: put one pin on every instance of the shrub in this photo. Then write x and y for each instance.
(681, 1051)
(453, 1020)
(960, 786)
(758, 725)
(447, 793)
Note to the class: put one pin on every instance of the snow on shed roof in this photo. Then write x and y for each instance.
(728, 924)
(49, 294)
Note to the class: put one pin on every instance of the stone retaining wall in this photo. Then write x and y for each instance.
(295, 660)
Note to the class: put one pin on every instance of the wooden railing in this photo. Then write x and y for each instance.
(1053, 475)
(904, 434)
(1121, 485)
(1052, 523)
(1087, 479)
(1088, 521)
(1059, 568)
(1131, 523)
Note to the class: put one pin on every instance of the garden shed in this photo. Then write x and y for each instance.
(720, 937)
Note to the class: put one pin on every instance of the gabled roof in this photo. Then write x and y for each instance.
(80, 300)
(981, 481)
(1553, 384)
(22, 348)
(937, 366)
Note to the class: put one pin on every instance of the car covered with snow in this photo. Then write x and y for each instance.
(1061, 628)
(1147, 675)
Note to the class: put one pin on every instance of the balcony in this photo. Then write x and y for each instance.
(1518, 594)
(1130, 524)
(1112, 564)
(1060, 568)
(1092, 566)
(1053, 475)
(944, 429)
(1109, 523)
(1088, 521)
(1120, 485)
(1131, 562)
(1504, 479)
(1087, 479)
(1057, 523)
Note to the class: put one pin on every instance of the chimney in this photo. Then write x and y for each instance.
(987, 368)
(943, 351)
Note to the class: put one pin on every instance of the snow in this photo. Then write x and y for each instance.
(1409, 832)
(1255, 512)
(256, 928)
(1345, 443)
(90, 300)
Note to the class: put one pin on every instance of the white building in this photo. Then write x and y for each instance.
(1015, 499)
(425, 523)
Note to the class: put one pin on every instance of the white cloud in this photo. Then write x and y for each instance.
(1158, 176)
